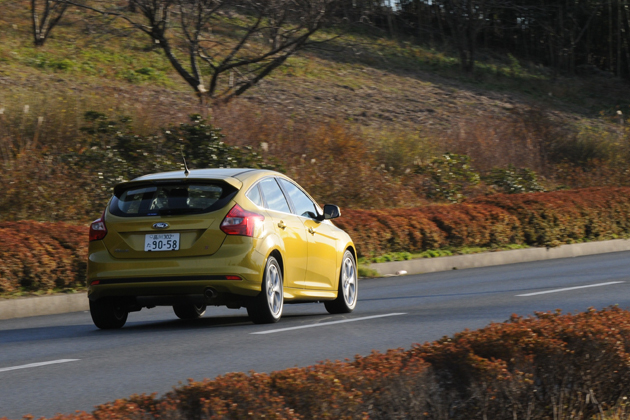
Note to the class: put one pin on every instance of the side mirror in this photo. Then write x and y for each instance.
(331, 211)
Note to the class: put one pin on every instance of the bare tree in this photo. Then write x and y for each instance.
(221, 48)
(45, 15)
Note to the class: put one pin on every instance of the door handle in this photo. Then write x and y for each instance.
(281, 225)
(311, 231)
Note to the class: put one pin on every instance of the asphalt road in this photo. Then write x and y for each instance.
(155, 351)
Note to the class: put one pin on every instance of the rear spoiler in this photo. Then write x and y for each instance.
(119, 188)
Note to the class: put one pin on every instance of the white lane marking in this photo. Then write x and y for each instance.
(324, 324)
(32, 365)
(572, 288)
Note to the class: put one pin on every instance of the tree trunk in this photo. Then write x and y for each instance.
(471, 34)
(619, 40)
(390, 24)
(610, 37)
(625, 39)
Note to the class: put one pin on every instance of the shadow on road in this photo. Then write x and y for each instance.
(88, 331)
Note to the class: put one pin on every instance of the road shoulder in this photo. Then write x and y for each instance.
(487, 259)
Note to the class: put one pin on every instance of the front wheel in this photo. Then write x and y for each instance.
(189, 311)
(266, 308)
(108, 315)
(347, 291)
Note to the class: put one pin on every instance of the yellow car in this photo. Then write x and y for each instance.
(235, 237)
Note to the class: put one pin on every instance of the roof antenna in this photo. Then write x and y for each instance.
(186, 170)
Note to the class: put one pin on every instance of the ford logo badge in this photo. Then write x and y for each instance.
(160, 225)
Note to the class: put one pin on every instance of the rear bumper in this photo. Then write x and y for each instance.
(176, 276)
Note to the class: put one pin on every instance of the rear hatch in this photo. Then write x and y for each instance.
(167, 218)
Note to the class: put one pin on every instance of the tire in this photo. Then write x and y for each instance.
(266, 308)
(108, 315)
(189, 311)
(348, 289)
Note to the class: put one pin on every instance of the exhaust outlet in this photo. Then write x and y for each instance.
(210, 293)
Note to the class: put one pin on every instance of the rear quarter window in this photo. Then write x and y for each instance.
(254, 195)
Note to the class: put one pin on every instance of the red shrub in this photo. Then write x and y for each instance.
(41, 256)
(547, 363)
(378, 232)
(537, 219)
(324, 391)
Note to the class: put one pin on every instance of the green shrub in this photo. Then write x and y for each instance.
(120, 154)
(203, 147)
(141, 75)
(45, 61)
(512, 180)
(448, 176)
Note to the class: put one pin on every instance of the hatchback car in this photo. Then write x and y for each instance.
(234, 237)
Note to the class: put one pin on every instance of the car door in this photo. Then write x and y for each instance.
(290, 229)
(321, 269)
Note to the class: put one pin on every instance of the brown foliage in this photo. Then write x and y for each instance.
(518, 139)
(536, 219)
(550, 219)
(571, 365)
(41, 256)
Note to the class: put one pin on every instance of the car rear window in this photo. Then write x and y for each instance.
(166, 199)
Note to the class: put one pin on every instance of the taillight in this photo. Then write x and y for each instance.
(97, 229)
(240, 222)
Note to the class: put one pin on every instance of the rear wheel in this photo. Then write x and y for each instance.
(189, 311)
(267, 306)
(108, 315)
(347, 291)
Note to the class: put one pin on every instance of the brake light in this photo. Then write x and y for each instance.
(98, 230)
(240, 222)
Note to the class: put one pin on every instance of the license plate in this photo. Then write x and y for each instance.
(161, 242)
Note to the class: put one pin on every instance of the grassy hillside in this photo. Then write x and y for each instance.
(374, 110)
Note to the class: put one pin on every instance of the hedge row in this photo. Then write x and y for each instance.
(536, 219)
(42, 256)
(550, 366)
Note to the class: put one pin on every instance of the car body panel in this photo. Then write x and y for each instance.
(238, 257)
(295, 246)
(199, 234)
(322, 248)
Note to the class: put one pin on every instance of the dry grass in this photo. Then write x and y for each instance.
(337, 162)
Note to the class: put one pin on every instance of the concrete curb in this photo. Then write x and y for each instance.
(43, 305)
(487, 259)
(63, 303)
